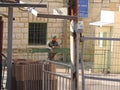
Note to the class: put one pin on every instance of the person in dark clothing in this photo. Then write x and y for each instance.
(52, 44)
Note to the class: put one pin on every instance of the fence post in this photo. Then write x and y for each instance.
(1, 40)
(82, 62)
(9, 64)
(74, 56)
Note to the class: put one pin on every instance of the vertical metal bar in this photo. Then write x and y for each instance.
(57, 83)
(74, 55)
(43, 76)
(110, 52)
(48, 79)
(73, 10)
(70, 85)
(52, 82)
(1, 40)
(104, 64)
(82, 65)
(60, 84)
(9, 64)
(63, 84)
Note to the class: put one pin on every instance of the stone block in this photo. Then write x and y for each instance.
(115, 1)
(95, 0)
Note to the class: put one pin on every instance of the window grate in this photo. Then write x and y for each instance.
(37, 33)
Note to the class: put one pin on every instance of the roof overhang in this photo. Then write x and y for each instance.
(106, 19)
(99, 23)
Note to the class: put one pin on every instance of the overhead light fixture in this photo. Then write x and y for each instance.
(30, 9)
(10, 1)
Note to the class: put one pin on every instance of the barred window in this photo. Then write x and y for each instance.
(37, 33)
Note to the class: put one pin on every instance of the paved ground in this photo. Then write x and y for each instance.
(91, 84)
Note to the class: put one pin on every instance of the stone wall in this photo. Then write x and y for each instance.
(22, 18)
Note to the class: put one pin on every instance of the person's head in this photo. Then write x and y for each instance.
(54, 38)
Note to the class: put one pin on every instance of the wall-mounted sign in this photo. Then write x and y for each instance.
(80, 25)
(82, 8)
(60, 11)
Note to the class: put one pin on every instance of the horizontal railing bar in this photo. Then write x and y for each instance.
(21, 5)
(56, 74)
(58, 63)
(99, 38)
(57, 16)
(102, 78)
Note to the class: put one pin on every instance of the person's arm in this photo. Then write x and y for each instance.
(48, 45)
(56, 45)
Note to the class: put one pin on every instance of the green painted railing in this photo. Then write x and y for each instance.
(64, 51)
(56, 50)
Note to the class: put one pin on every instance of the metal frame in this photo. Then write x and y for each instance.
(10, 27)
(46, 72)
(57, 16)
(98, 38)
(10, 31)
(21, 5)
(84, 77)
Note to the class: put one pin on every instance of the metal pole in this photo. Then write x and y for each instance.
(82, 64)
(74, 56)
(43, 77)
(9, 64)
(73, 10)
(1, 40)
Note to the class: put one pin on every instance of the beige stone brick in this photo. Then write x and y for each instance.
(5, 24)
(26, 25)
(25, 36)
(17, 19)
(17, 30)
(19, 36)
(50, 25)
(117, 25)
(42, 10)
(52, 20)
(14, 36)
(16, 10)
(5, 35)
(23, 19)
(24, 30)
(115, 1)
(17, 15)
(3, 10)
(5, 45)
(20, 25)
(24, 41)
(114, 7)
(95, 0)
(16, 42)
(24, 15)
